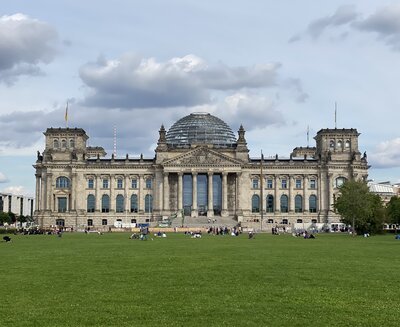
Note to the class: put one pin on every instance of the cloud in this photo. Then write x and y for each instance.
(135, 82)
(386, 154)
(25, 43)
(250, 110)
(343, 16)
(385, 22)
(17, 190)
(3, 178)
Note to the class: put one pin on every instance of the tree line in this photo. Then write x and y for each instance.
(11, 218)
(364, 210)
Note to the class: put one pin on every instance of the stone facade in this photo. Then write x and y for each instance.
(77, 187)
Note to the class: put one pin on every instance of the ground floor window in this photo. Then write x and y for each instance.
(62, 204)
(60, 222)
(104, 222)
(255, 203)
(90, 222)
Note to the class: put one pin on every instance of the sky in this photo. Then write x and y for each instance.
(278, 68)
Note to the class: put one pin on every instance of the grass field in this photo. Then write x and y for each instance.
(110, 280)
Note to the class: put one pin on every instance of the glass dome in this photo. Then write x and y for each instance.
(200, 128)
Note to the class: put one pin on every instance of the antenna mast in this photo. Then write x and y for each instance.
(115, 142)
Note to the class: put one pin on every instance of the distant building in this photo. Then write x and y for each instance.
(20, 205)
(384, 189)
(200, 168)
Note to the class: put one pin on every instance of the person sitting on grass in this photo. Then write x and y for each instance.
(6, 239)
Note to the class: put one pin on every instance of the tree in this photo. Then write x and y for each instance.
(393, 210)
(360, 208)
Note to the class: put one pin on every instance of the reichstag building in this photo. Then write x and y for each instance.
(200, 169)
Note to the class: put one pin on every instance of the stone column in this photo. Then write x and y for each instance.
(166, 192)
(210, 206)
(49, 192)
(277, 207)
(126, 193)
(112, 194)
(305, 194)
(37, 193)
(140, 195)
(239, 209)
(74, 181)
(97, 193)
(291, 200)
(194, 195)
(224, 212)
(180, 191)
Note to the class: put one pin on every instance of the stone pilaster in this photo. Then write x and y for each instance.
(180, 191)
(194, 195)
(224, 212)
(210, 206)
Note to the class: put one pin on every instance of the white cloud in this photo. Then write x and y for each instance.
(24, 44)
(17, 190)
(386, 154)
(3, 178)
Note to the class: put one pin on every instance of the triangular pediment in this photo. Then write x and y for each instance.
(202, 156)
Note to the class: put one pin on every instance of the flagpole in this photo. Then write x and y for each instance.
(66, 116)
(262, 189)
(335, 114)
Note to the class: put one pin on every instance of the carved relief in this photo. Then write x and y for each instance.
(201, 157)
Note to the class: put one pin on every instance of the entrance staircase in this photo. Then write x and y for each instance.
(203, 222)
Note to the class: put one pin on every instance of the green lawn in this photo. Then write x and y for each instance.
(110, 280)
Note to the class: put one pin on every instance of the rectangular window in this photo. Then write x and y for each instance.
(284, 183)
(62, 204)
(313, 184)
(134, 183)
(119, 183)
(104, 222)
(298, 183)
(90, 183)
(255, 183)
(148, 183)
(105, 183)
(269, 183)
(90, 222)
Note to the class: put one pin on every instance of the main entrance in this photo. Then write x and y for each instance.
(196, 200)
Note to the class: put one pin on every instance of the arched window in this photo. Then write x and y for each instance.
(62, 182)
(63, 144)
(332, 144)
(313, 203)
(284, 203)
(340, 181)
(71, 143)
(56, 144)
(134, 203)
(148, 203)
(339, 144)
(91, 203)
(105, 203)
(255, 203)
(347, 144)
(299, 221)
(270, 203)
(119, 203)
(298, 203)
